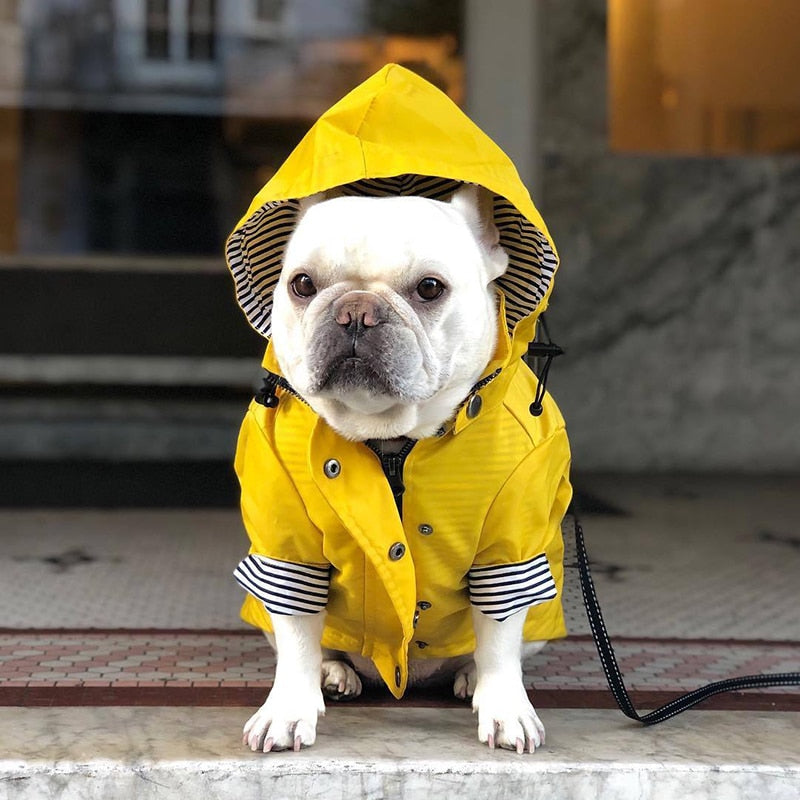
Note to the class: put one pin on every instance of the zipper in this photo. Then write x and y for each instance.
(485, 382)
(266, 394)
(477, 387)
(392, 465)
(287, 387)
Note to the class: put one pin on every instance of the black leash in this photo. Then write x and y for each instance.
(614, 676)
(544, 348)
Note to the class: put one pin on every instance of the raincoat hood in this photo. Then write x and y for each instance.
(395, 134)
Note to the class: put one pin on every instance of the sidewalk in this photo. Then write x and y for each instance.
(106, 612)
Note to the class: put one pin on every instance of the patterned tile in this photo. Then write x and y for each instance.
(245, 660)
(688, 558)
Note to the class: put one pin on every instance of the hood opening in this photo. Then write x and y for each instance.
(255, 249)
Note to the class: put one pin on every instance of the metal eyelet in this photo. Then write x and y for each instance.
(332, 468)
(397, 551)
(425, 529)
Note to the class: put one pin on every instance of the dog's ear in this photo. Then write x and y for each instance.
(476, 205)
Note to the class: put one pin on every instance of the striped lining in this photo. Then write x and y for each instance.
(255, 251)
(499, 591)
(284, 587)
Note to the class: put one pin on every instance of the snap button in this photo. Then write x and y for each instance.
(474, 406)
(397, 551)
(422, 645)
(332, 468)
(398, 677)
(424, 605)
(425, 530)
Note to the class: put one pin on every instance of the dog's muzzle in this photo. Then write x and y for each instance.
(363, 345)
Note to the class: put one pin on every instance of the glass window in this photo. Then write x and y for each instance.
(145, 127)
(157, 30)
(704, 76)
(202, 30)
(269, 10)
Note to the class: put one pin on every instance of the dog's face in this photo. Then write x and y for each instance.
(385, 314)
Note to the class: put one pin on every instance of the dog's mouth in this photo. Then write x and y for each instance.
(354, 373)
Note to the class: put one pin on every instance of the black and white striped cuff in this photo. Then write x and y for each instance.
(500, 591)
(284, 587)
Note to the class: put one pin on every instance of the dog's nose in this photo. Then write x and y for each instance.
(359, 310)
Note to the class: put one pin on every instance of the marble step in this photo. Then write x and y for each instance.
(409, 753)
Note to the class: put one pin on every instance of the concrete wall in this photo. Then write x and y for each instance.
(678, 298)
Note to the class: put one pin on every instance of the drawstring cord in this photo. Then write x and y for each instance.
(547, 350)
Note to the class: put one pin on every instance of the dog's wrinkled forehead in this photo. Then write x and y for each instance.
(373, 239)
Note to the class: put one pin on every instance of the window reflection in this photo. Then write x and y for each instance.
(704, 76)
(157, 30)
(145, 126)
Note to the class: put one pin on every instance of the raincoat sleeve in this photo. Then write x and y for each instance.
(285, 569)
(519, 563)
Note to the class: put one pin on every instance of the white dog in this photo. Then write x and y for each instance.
(385, 317)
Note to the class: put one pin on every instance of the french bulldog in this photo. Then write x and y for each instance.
(384, 317)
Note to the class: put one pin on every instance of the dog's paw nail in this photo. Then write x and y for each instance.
(268, 744)
(253, 741)
(520, 746)
(491, 741)
(298, 743)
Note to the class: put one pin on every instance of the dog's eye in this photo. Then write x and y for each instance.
(303, 286)
(430, 288)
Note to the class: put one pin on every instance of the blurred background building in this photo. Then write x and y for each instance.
(660, 139)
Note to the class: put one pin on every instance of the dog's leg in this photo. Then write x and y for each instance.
(289, 715)
(466, 676)
(506, 717)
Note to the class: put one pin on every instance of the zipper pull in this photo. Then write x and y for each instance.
(266, 394)
(393, 469)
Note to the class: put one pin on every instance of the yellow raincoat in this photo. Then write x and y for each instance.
(483, 499)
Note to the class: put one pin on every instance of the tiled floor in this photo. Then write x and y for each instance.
(699, 578)
(125, 667)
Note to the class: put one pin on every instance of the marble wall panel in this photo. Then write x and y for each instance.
(678, 298)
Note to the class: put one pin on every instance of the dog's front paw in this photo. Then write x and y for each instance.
(339, 680)
(506, 717)
(288, 719)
